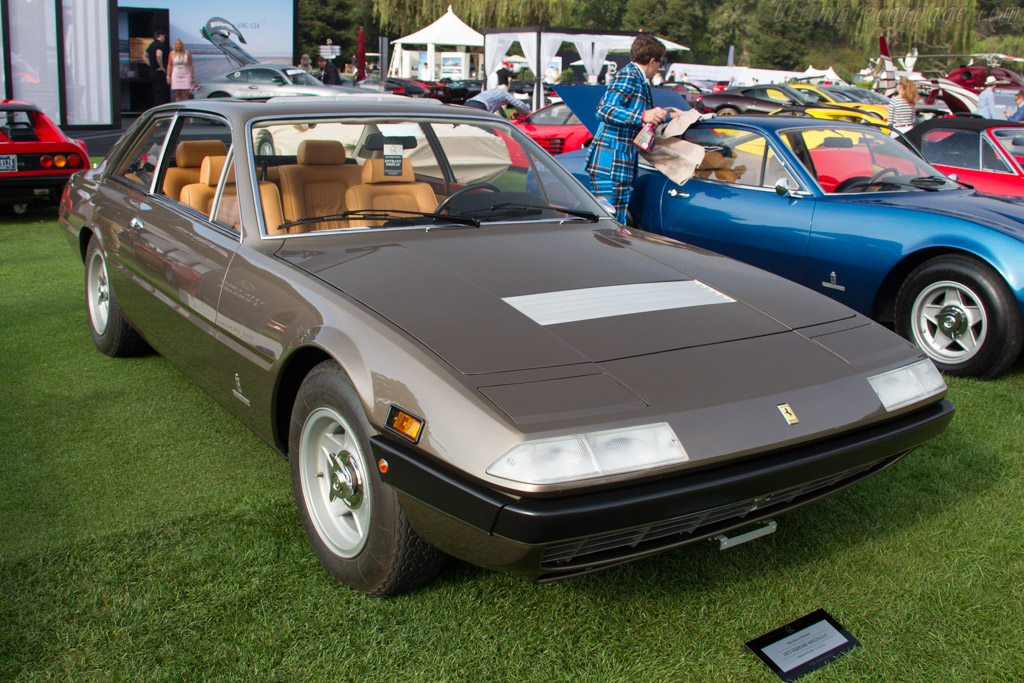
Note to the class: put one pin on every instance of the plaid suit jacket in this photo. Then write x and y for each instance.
(612, 153)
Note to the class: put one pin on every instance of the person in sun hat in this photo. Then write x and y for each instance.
(987, 99)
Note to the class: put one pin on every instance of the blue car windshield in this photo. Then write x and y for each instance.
(856, 160)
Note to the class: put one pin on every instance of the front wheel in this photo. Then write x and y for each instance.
(353, 521)
(111, 332)
(962, 314)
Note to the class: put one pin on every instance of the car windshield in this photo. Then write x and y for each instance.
(856, 160)
(300, 77)
(336, 173)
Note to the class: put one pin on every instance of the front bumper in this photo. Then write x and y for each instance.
(555, 537)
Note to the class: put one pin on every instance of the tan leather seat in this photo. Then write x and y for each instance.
(382, 191)
(316, 185)
(199, 195)
(188, 157)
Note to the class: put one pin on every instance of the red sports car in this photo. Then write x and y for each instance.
(555, 128)
(36, 158)
(984, 153)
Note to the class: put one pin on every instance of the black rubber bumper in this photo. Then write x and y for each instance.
(538, 521)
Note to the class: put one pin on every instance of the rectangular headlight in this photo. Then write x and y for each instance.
(907, 385)
(586, 456)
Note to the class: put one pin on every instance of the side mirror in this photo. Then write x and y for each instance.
(783, 187)
(954, 177)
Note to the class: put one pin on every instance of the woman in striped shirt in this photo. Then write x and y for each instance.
(901, 105)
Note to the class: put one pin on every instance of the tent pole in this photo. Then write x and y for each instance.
(538, 89)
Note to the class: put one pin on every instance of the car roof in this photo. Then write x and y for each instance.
(970, 123)
(365, 103)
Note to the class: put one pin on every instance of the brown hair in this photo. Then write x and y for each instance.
(909, 91)
(645, 48)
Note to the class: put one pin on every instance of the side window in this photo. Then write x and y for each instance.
(947, 147)
(195, 158)
(264, 76)
(226, 212)
(139, 164)
(238, 76)
(775, 171)
(730, 156)
(990, 159)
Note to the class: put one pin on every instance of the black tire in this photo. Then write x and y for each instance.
(353, 521)
(727, 111)
(961, 313)
(217, 94)
(111, 331)
(265, 145)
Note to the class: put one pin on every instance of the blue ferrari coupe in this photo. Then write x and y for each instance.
(847, 210)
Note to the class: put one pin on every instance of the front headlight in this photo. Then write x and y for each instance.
(586, 456)
(907, 385)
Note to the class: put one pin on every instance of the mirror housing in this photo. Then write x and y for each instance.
(783, 188)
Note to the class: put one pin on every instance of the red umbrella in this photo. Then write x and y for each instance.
(361, 55)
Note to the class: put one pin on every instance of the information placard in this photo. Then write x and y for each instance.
(804, 645)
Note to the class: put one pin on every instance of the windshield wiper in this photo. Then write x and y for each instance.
(522, 209)
(384, 215)
(929, 181)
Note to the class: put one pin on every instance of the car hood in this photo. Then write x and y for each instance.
(502, 298)
(1001, 213)
(583, 101)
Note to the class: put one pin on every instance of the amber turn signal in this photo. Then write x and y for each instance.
(405, 424)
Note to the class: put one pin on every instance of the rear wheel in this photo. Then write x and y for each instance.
(353, 521)
(727, 111)
(217, 94)
(111, 332)
(961, 313)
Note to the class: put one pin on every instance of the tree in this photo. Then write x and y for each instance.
(681, 21)
(338, 20)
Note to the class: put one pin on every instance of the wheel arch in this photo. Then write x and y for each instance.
(884, 306)
(295, 369)
(84, 237)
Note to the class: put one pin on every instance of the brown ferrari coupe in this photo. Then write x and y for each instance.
(461, 353)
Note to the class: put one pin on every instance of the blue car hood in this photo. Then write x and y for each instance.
(583, 101)
(1002, 213)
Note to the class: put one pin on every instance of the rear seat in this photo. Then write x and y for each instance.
(188, 157)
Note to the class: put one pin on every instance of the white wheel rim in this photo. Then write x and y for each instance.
(98, 292)
(334, 483)
(949, 322)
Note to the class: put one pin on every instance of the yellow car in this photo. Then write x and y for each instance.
(879, 112)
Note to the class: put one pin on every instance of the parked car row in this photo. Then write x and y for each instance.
(850, 212)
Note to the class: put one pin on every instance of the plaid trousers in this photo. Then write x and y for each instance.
(617, 193)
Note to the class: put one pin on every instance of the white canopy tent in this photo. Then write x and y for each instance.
(540, 44)
(828, 74)
(448, 30)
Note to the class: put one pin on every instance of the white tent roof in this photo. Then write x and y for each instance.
(828, 73)
(448, 30)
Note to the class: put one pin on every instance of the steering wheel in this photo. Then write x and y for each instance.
(852, 181)
(463, 190)
(881, 174)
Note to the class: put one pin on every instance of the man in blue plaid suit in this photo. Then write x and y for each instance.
(625, 107)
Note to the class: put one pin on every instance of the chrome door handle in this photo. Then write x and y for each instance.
(678, 193)
(135, 224)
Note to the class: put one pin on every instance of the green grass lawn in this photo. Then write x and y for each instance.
(146, 535)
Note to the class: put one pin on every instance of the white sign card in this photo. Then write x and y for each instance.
(804, 645)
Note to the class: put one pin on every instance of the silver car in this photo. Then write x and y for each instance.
(263, 80)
